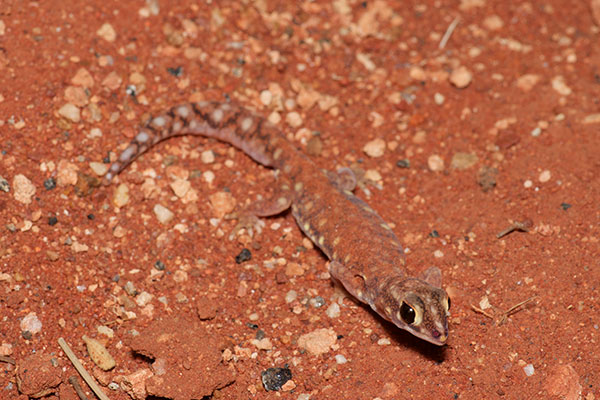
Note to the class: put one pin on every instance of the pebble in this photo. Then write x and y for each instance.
(181, 187)
(461, 77)
(372, 175)
(340, 359)
(31, 323)
(435, 163)
(529, 370)
(222, 202)
(245, 255)
(438, 254)
(275, 378)
(121, 195)
(66, 173)
(163, 214)
(207, 157)
(527, 184)
(4, 185)
(527, 82)
(112, 81)
(333, 311)
(83, 78)
(98, 353)
(266, 97)
(24, 189)
(462, 161)
(318, 341)
(100, 169)
(544, 176)
(375, 148)
(134, 384)
(439, 99)
(71, 112)
(143, 299)
(560, 86)
(107, 32)
(50, 183)
(293, 119)
(493, 22)
(262, 344)
(208, 176)
(591, 119)
(293, 269)
(106, 331)
(291, 296)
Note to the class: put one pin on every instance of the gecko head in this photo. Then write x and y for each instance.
(418, 306)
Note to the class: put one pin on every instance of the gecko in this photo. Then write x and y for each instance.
(365, 255)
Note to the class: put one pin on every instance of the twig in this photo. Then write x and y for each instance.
(480, 311)
(523, 226)
(7, 359)
(84, 374)
(73, 381)
(514, 308)
(448, 33)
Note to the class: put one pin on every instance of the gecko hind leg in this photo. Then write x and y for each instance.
(353, 283)
(248, 218)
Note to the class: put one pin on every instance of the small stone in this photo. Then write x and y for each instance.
(462, 161)
(560, 86)
(50, 183)
(493, 22)
(293, 269)
(106, 331)
(181, 187)
(23, 189)
(291, 296)
(66, 173)
(592, 118)
(333, 311)
(100, 169)
(143, 299)
(461, 77)
(486, 177)
(318, 341)
(435, 163)
(340, 359)
(206, 308)
(372, 175)
(293, 119)
(262, 344)
(71, 112)
(288, 386)
(375, 148)
(266, 97)
(121, 195)
(439, 99)
(544, 176)
(31, 323)
(207, 157)
(314, 146)
(107, 32)
(98, 353)
(112, 81)
(527, 184)
(529, 369)
(245, 255)
(4, 185)
(222, 202)
(83, 78)
(527, 82)
(134, 384)
(163, 214)
(275, 378)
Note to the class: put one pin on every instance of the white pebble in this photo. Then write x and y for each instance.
(70, 112)
(207, 157)
(143, 298)
(528, 184)
(435, 163)
(340, 359)
(544, 176)
(438, 254)
(31, 323)
(266, 97)
(461, 77)
(163, 214)
(208, 176)
(121, 196)
(95, 133)
(23, 189)
(374, 148)
(333, 311)
(384, 342)
(293, 119)
(439, 99)
(529, 370)
(99, 168)
(106, 331)
(291, 296)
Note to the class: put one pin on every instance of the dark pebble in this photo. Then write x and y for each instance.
(175, 71)
(251, 325)
(434, 234)
(275, 378)
(486, 178)
(159, 265)
(244, 255)
(116, 278)
(91, 217)
(50, 183)
(405, 163)
(260, 334)
(52, 221)
(565, 206)
(26, 335)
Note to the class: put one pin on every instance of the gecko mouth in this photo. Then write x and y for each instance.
(434, 337)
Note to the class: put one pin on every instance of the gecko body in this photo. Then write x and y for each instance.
(366, 257)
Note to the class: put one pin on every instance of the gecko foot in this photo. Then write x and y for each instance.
(249, 222)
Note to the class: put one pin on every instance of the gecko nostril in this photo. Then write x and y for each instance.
(435, 334)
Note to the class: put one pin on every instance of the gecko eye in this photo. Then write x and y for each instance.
(407, 313)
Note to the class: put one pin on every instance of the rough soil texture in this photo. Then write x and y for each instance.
(499, 126)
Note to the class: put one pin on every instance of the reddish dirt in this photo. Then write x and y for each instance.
(528, 116)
